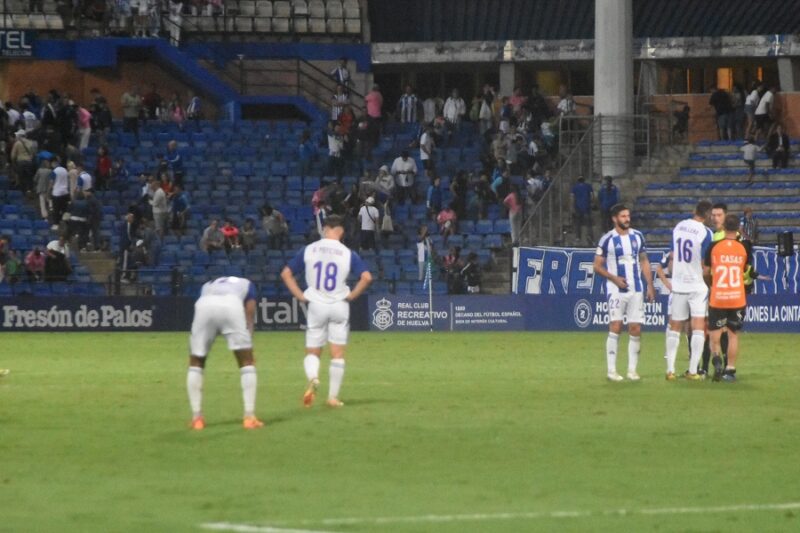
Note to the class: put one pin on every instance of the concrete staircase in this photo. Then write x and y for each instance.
(497, 279)
(101, 265)
(716, 171)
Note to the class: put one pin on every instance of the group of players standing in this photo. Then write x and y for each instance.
(709, 275)
(227, 307)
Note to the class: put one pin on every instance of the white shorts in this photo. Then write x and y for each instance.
(628, 305)
(689, 304)
(327, 323)
(214, 315)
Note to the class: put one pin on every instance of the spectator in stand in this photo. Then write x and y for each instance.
(101, 118)
(454, 111)
(368, 217)
(566, 106)
(459, 188)
(608, 197)
(85, 181)
(320, 206)
(431, 108)
(152, 103)
(448, 222)
(335, 151)
(12, 268)
(31, 123)
(78, 224)
(426, 150)
(778, 147)
(737, 116)
(750, 105)
(127, 238)
(423, 249)
(513, 202)
(341, 75)
(34, 264)
(517, 101)
(748, 227)
(385, 186)
(22, 159)
(120, 171)
(152, 243)
(434, 197)
(404, 170)
(721, 102)
(59, 193)
(103, 169)
(540, 111)
(212, 238)
(764, 112)
(84, 127)
(471, 274)
(339, 99)
(483, 197)
(346, 121)
(534, 185)
(42, 185)
(160, 207)
(486, 114)
(131, 107)
(275, 226)
(175, 162)
(175, 21)
(749, 151)
(140, 258)
(452, 265)
(231, 234)
(374, 103)
(56, 265)
(166, 184)
(180, 208)
(408, 106)
(501, 181)
(141, 18)
(194, 111)
(177, 113)
(582, 196)
(248, 235)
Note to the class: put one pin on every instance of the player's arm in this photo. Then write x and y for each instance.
(601, 270)
(288, 279)
(707, 266)
(663, 277)
(297, 264)
(358, 267)
(647, 272)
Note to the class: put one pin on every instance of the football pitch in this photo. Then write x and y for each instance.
(440, 432)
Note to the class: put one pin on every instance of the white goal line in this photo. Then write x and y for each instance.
(432, 518)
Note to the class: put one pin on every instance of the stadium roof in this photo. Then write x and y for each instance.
(500, 20)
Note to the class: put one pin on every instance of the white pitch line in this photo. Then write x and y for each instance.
(485, 517)
(246, 528)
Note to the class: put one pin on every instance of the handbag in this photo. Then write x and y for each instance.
(387, 224)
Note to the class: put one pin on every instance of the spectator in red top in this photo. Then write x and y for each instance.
(103, 170)
(513, 203)
(34, 264)
(231, 234)
(448, 222)
(166, 184)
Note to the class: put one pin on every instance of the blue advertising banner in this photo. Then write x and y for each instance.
(16, 43)
(392, 312)
(545, 270)
(29, 313)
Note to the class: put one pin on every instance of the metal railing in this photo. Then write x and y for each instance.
(593, 147)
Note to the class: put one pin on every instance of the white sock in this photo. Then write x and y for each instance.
(194, 385)
(611, 352)
(335, 374)
(249, 381)
(311, 364)
(673, 342)
(634, 343)
(698, 339)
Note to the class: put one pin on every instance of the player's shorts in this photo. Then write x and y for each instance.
(215, 315)
(327, 323)
(689, 304)
(628, 305)
(733, 319)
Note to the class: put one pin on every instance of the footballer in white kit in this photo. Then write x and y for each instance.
(691, 238)
(226, 307)
(621, 258)
(327, 264)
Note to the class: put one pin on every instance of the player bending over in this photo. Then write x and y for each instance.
(621, 258)
(226, 306)
(327, 263)
(725, 264)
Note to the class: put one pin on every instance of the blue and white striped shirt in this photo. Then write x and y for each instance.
(621, 253)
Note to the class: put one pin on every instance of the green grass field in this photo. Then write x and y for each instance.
(441, 432)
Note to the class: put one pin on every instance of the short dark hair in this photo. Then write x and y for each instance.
(731, 223)
(333, 221)
(616, 209)
(702, 208)
(720, 205)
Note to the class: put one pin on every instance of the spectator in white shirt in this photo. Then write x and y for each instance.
(335, 147)
(160, 207)
(404, 170)
(749, 151)
(339, 99)
(750, 105)
(368, 217)
(31, 122)
(764, 112)
(59, 194)
(341, 75)
(454, 110)
(426, 148)
(430, 108)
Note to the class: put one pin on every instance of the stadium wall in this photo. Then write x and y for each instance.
(18, 76)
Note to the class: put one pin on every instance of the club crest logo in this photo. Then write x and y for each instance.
(383, 317)
(582, 313)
